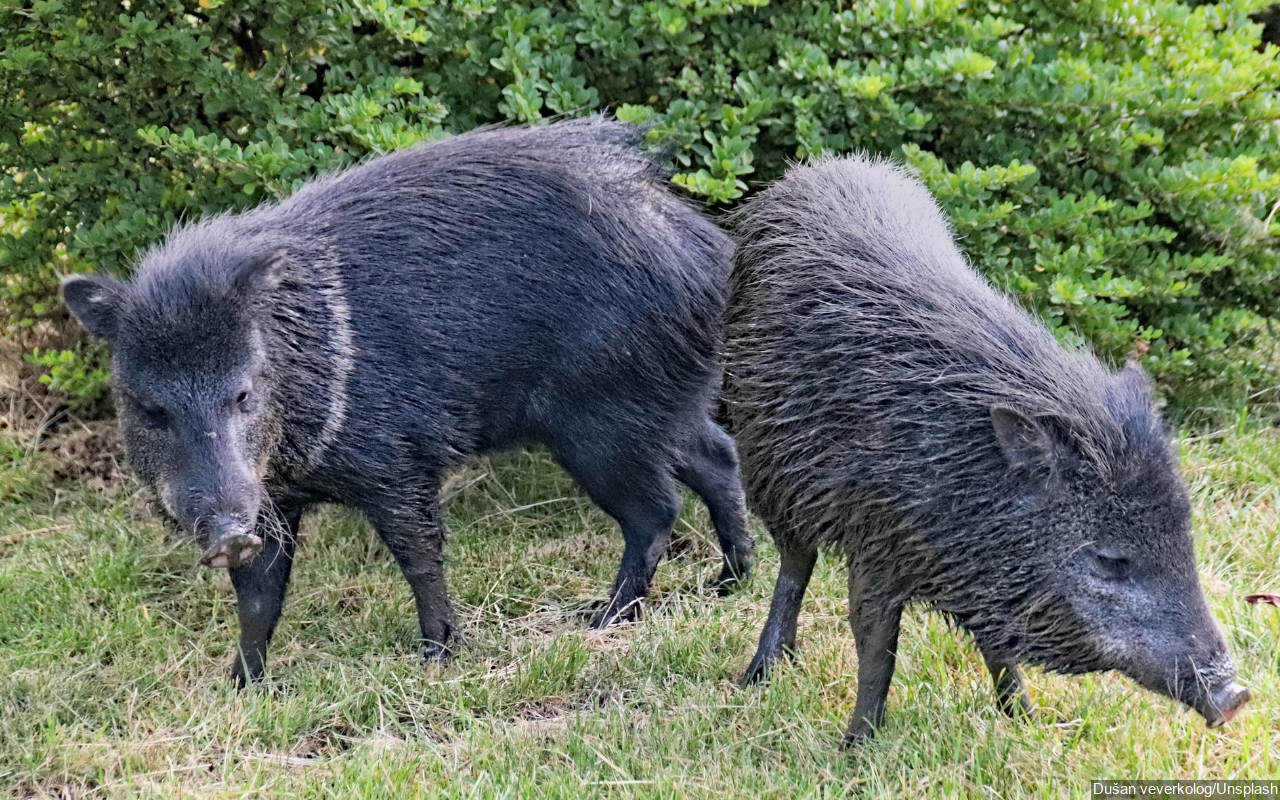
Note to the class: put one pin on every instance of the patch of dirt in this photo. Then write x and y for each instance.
(458, 481)
(350, 600)
(55, 789)
(551, 715)
(89, 453)
(327, 741)
(309, 747)
(546, 716)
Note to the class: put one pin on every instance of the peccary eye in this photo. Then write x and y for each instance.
(1113, 566)
(245, 401)
(153, 416)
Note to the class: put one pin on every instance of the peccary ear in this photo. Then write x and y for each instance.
(1134, 377)
(94, 300)
(1026, 443)
(1132, 384)
(258, 274)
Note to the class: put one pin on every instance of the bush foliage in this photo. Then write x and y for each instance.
(1111, 162)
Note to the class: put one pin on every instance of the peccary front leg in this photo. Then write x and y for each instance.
(779, 635)
(710, 469)
(414, 533)
(260, 588)
(875, 621)
(1011, 690)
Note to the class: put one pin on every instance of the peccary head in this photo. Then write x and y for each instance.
(1096, 555)
(191, 384)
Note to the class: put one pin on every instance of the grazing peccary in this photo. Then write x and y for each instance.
(352, 342)
(890, 405)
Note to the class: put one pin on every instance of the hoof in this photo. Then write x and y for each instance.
(733, 575)
(242, 678)
(1019, 709)
(611, 615)
(728, 582)
(856, 738)
(758, 673)
(438, 651)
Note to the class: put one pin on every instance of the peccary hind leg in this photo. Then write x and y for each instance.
(875, 621)
(641, 496)
(414, 533)
(646, 532)
(779, 635)
(260, 588)
(710, 469)
(1011, 690)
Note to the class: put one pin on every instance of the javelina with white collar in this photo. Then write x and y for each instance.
(352, 342)
(890, 405)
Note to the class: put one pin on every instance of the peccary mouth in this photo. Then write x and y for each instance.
(232, 550)
(1223, 703)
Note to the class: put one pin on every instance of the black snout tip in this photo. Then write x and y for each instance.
(1227, 701)
(232, 550)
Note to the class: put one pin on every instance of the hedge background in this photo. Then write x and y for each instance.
(1114, 164)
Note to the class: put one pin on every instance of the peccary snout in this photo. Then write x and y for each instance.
(1206, 684)
(232, 544)
(221, 507)
(1224, 702)
(1217, 701)
(1164, 637)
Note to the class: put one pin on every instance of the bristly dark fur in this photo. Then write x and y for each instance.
(504, 286)
(889, 403)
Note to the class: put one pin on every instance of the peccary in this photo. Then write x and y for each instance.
(889, 404)
(352, 342)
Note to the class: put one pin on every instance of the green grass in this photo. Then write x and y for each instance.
(114, 648)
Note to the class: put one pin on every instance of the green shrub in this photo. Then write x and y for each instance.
(1112, 163)
(79, 380)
